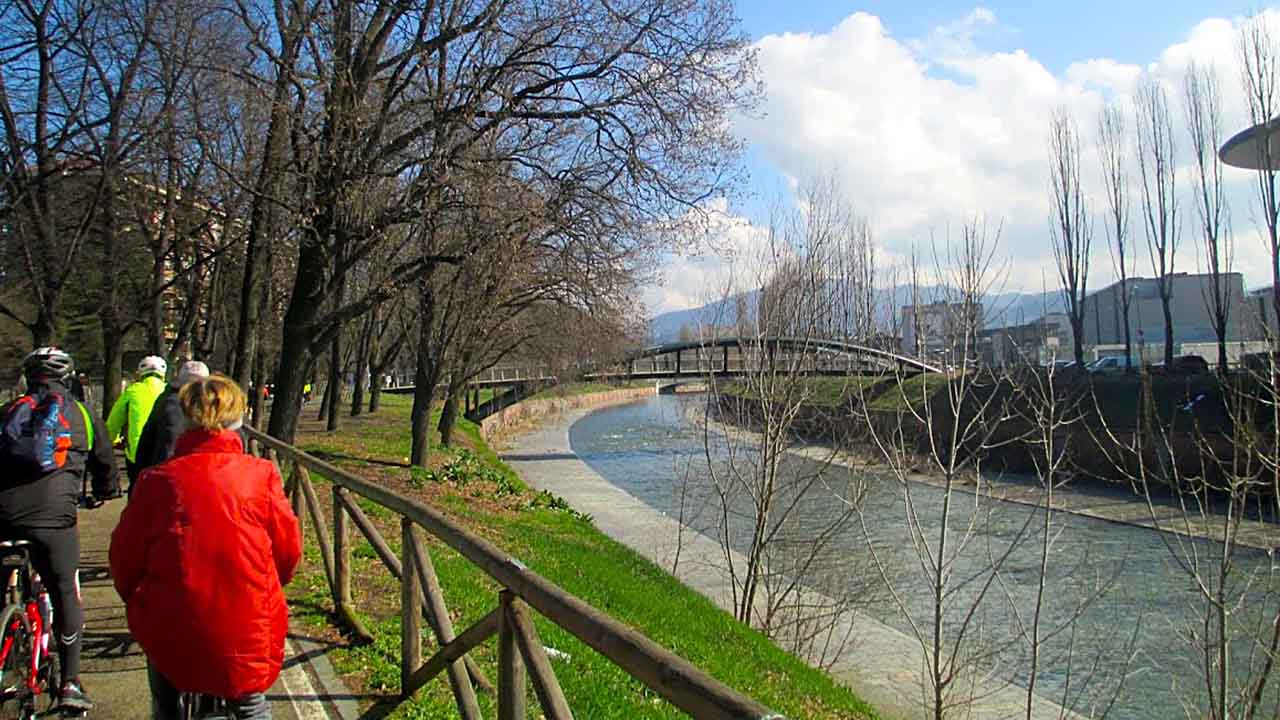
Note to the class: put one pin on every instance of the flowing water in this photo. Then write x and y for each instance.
(1119, 616)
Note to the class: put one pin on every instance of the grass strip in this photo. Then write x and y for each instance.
(558, 543)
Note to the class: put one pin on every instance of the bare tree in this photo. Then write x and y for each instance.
(397, 116)
(1260, 78)
(768, 504)
(1208, 477)
(1112, 143)
(47, 105)
(1070, 227)
(953, 418)
(1202, 106)
(1157, 166)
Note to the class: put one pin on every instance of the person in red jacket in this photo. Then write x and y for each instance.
(200, 558)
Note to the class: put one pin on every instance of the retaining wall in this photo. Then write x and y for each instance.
(528, 411)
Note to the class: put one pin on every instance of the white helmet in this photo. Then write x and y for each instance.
(152, 364)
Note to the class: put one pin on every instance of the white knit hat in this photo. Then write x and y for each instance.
(189, 371)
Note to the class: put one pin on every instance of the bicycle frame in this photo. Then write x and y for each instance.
(26, 590)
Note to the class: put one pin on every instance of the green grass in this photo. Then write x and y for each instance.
(489, 393)
(566, 548)
(914, 392)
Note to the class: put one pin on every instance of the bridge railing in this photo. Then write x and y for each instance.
(520, 653)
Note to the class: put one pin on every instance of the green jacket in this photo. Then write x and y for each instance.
(131, 411)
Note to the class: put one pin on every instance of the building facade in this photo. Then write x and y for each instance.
(938, 329)
(1190, 303)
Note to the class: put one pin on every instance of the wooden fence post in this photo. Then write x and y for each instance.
(322, 531)
(393, 566)
(438, 616)
(410, 610)
(343, 604)
(545, 683)
(511, 700)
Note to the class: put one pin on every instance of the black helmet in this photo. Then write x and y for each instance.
(48, 363)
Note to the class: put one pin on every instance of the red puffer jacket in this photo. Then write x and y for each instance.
(199, 557)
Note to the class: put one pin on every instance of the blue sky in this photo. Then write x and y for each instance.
(929, 114)
(1057, 33)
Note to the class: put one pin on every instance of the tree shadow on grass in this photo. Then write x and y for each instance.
(330, 457)
(381, 709)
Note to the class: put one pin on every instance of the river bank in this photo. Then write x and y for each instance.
(1084, 496)
(883, 665)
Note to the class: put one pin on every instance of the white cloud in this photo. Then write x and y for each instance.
(730, 253)
(928, 132)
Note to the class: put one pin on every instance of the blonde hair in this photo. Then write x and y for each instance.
(212, 403)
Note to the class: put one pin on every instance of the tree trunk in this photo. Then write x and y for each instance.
(425, 377)
(1077, 331)
(113, 364)
(1124, 310)
(326, 399)
(155, 308)
(362, 363)
(1168, 330)
(379, 371)
(335, 382)
(45, 330)
(448, 417)
(296, 358)
(260, 371)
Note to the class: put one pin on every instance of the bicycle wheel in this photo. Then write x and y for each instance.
(16, 646)
(188, 706)
(50, 676)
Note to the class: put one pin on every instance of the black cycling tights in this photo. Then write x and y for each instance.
(55, 554)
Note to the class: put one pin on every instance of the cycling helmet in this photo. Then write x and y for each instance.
(47, 363)
(152, 364)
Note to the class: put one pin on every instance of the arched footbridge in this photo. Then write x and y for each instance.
(735, 356)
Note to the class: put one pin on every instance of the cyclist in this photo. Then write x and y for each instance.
(166, 422)
(132, 409)
(39, 494)
(200, 557)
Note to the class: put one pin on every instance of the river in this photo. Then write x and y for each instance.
(1121, 610)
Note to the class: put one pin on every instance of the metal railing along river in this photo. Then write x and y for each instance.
(520, 652)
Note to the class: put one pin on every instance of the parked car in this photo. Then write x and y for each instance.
(1182, 365)
(1108, 366)
(1063, 368)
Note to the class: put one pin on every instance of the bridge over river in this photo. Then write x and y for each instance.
(724, 357)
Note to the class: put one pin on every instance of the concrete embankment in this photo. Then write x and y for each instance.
(525, 414)
(881, 664)
(1158, 508)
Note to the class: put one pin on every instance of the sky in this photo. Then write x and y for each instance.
(924, 115)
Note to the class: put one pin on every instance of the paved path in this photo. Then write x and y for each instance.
(883, 665)
(114, 668)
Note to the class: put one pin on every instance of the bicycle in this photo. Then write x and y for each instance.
(28, 658)
(197, 706)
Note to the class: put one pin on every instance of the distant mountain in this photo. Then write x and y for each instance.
(666, 327)
(1010, 308)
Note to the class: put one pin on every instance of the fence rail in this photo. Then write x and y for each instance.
(521, 656)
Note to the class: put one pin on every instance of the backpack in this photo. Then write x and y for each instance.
(35, 433)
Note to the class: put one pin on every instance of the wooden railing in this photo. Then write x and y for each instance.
(520, 652)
